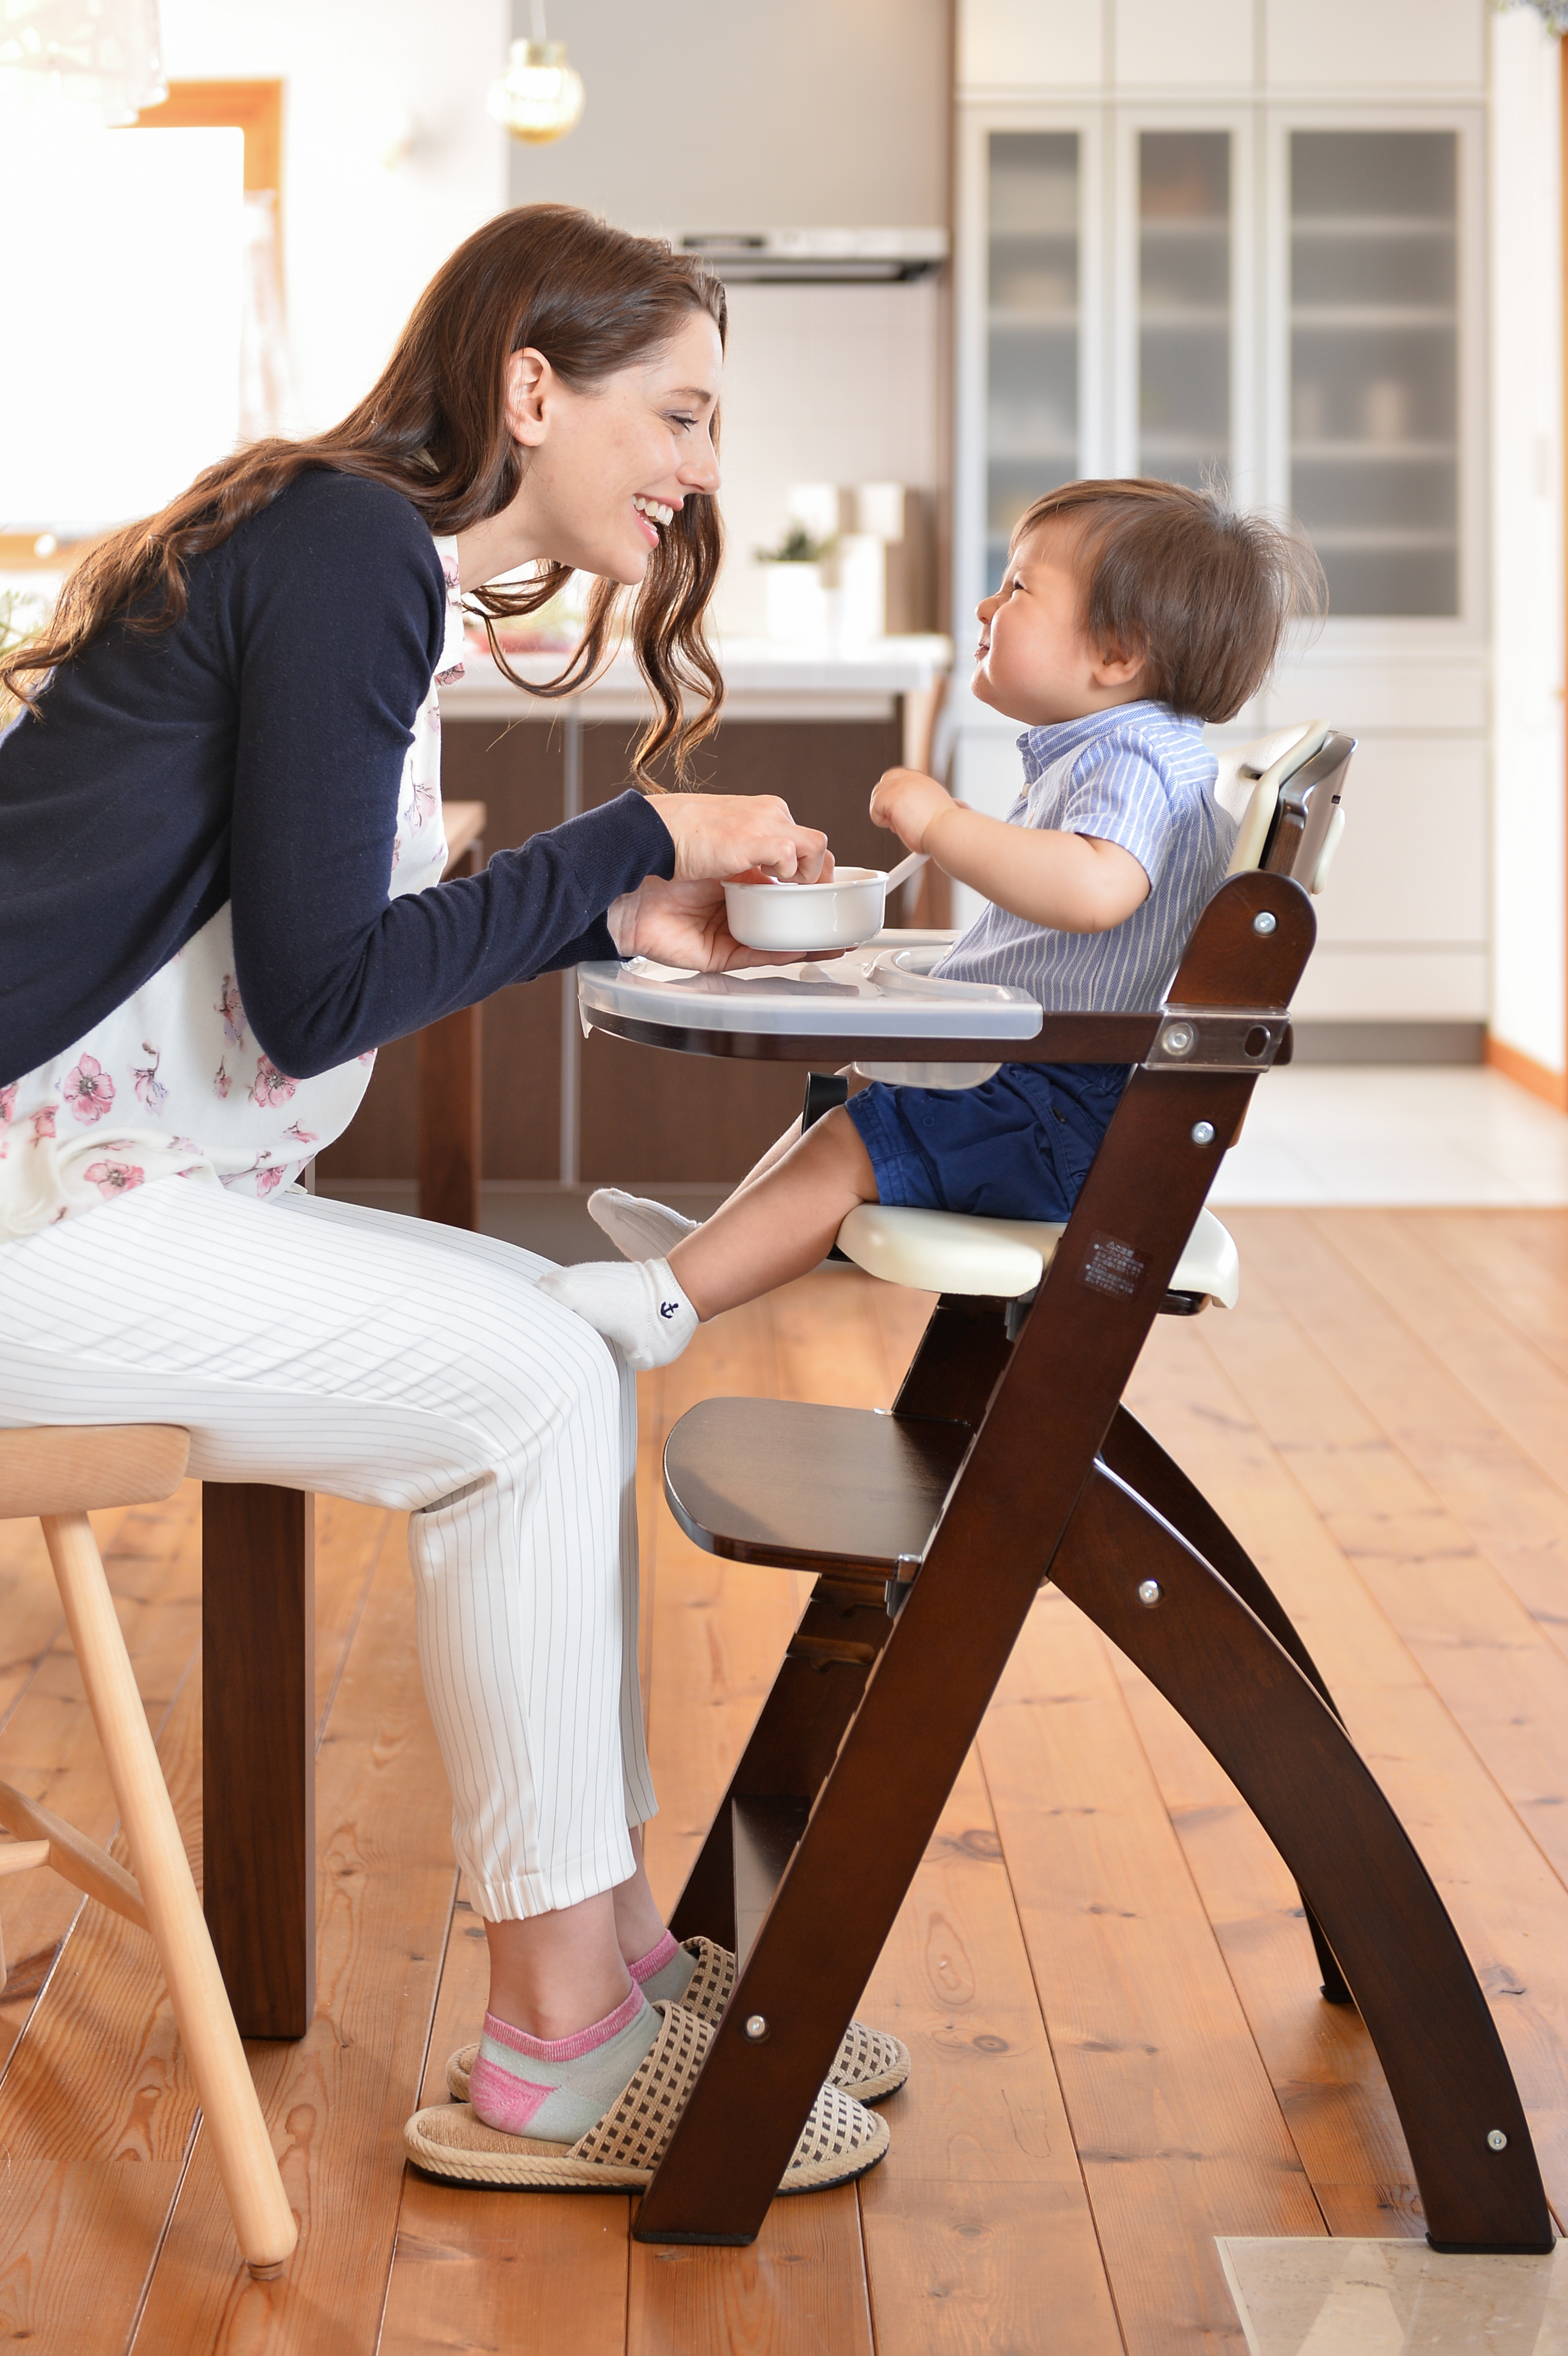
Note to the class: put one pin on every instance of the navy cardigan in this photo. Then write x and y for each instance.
(253, 754)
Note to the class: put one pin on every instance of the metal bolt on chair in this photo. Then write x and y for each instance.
(59, 1472)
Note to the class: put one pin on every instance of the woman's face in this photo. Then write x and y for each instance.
(608, 466)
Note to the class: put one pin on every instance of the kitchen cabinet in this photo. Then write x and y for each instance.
(1264, 272)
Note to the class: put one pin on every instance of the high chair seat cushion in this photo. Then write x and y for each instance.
(75, 1468)
(947, 1252)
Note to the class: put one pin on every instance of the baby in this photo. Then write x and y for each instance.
(1130, 613)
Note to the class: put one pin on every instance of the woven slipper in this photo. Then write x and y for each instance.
(838, 2142)
(867, 2067)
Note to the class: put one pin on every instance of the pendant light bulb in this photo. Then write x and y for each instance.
(538, 98)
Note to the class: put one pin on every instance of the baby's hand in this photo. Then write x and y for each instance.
(908, 803)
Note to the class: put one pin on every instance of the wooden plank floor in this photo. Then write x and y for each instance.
(1102, 1969)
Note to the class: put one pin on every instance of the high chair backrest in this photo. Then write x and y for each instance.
(1287, 793)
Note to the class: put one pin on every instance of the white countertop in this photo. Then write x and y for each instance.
(759, 674)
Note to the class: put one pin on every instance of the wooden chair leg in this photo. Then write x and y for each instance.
(263, 2222)
(1294, 1764)
(1139, 1460)
(258, 1750)
(793, 1744)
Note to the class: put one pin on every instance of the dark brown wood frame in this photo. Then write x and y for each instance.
(932, 1530)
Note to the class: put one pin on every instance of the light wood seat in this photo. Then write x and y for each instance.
(57, 1473)
(946, 1251)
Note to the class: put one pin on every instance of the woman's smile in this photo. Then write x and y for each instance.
(653, 512)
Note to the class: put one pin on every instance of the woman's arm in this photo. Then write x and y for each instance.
(1072, 882)
(335, 614)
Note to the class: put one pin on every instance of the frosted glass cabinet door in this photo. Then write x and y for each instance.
(1374, 365)
(1184, 305)
(1031, 327)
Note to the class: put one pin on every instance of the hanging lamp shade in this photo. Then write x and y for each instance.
(538, 98)
(101, 57)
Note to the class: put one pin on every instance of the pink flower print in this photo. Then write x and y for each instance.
(88, 1090)
(268, 1180)
(150, 1089)
(271, 1087)
(396, 850)
(43, 1124)
(367, 1058)
(449, 573)
(113, 1176)
(233, 1013)
(7, 1104)
(301, 1136)
(221, 1082)
(424, 802)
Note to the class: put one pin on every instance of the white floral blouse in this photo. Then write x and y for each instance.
(174, 1084)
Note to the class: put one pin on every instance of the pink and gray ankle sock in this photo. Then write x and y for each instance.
(663, 1973)
(557, 2088)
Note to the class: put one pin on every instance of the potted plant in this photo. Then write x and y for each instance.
(797, 597)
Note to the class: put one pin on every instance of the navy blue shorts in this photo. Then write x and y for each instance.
(1018, 1148)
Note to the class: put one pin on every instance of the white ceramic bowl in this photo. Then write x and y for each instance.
(840, 915)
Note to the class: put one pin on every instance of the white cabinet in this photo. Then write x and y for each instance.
(1358, 47)
(1274, 283)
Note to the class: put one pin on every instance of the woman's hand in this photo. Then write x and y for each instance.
(909, 804)
(685, 924)
(737, 835)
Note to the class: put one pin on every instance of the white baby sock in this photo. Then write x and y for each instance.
(639, 1306)
(640, 1228)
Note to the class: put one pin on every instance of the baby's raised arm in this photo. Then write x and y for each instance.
(1074, 883)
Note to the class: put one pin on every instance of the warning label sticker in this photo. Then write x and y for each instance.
(1113, 1266)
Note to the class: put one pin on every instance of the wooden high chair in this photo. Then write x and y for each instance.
(59, 1472)
(1007, 1459)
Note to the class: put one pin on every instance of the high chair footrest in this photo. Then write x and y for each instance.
(948, 1251)
(811, 1487)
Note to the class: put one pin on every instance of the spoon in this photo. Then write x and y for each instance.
(905, 868)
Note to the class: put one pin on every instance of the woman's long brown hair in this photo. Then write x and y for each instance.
(594, 300)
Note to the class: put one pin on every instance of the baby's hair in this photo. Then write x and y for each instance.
(1201, 592)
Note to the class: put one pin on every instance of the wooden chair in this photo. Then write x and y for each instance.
(57, 1473)
(1008, 1459)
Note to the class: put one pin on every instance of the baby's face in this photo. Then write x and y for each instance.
(1033, 662)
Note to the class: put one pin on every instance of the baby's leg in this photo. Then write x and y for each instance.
(645, 1229)
(780, 1220)
(777, 1225)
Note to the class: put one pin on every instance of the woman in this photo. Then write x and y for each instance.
(219, 822)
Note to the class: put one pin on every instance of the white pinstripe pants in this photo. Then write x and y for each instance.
(323, 1346)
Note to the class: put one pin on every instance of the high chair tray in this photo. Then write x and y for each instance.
(876, 1003)
(878, 990)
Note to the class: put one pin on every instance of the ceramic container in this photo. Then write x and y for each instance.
(835, 916)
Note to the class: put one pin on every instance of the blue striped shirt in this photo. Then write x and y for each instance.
(1136, 775)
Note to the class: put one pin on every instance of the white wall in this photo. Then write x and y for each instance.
(751, 114)
(361, 238)
(835, 384)
(1530, 955)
